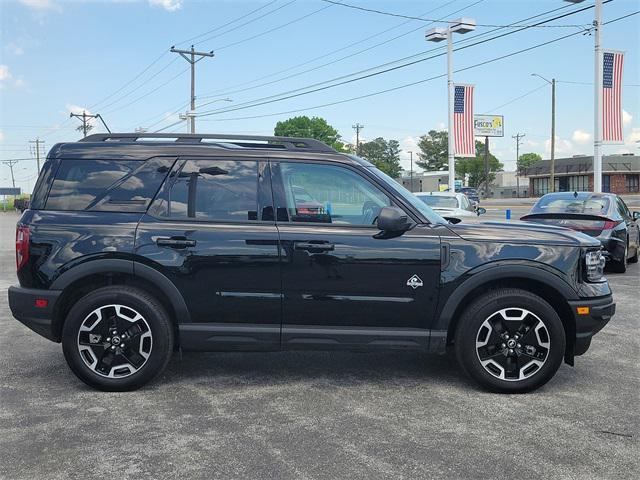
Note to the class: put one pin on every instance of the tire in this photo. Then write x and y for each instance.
(620, 265)
(634, 259)
(138, 352)
(538, 348)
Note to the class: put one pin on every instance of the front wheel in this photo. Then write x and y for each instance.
(510, 341)
(117, 338)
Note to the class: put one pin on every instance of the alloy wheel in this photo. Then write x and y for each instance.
(513, 344)
(114, 341)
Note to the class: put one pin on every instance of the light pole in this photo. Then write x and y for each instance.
(552, 166)
(411, 171)
(597, 97)
(461, 25)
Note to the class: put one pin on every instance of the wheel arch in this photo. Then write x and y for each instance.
(551, 288)
(86, 277)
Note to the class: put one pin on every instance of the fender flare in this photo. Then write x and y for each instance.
(500, 272)
(132, 268)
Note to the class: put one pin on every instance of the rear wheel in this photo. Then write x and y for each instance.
(117, 338)
(634, 259)
(510, 341)
(620, 265)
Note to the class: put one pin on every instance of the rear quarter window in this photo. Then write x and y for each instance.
(107, 185)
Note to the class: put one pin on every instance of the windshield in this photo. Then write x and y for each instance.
(571, 204)
(439, 201)
(409, 197)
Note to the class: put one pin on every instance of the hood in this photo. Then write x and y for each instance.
(453, 212)
(522, 232)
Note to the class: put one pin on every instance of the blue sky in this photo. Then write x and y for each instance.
(61, 56)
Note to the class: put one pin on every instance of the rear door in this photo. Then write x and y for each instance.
(344, 285)
(211, 231)
(631, 223)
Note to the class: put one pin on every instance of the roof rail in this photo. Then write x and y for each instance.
(242, 141)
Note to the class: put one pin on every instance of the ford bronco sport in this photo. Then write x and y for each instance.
(135, 245)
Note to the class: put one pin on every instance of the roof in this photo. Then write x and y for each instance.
(583, 165)
(141, 146)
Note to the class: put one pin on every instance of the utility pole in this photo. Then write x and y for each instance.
(86, 126)
(37, 143)
(486, 167)
(411, 171)
(11, 163)
(517, 138)
(357, 127)
(190, 56)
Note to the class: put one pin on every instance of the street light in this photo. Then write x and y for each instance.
(552, 168)
(461, 25)
(189, 114)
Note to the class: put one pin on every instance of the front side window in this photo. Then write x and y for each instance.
(210, 190)
(328, 194)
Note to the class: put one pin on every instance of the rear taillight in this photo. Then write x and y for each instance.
(22, 246)
(609, 224)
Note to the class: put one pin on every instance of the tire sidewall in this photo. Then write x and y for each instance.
(153, 313)
(475, 317)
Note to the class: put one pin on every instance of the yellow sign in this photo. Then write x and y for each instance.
(488, 125)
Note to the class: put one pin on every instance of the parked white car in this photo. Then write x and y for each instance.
(451, 205)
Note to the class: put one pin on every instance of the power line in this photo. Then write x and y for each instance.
(335, 51)
(220, 27)
(411, 84)
(515, 99)
(301, 91)
(233, 44)
(380, 12)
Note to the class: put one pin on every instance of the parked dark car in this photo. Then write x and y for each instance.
(471, 193)
(139, 244)
(604, 216)
(21, 204)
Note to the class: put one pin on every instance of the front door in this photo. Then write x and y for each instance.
(343, 284)
(211, 231)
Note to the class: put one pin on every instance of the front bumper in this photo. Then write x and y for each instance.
(600, 311)
(22, 302)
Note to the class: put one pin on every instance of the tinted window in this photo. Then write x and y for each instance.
(572, 204)
(214, 190)
(107, 185)
(329, 194)
(439, 201)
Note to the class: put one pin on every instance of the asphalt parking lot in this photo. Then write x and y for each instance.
(318, 415)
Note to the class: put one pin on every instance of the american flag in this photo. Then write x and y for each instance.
(465, 145)
(612, 96)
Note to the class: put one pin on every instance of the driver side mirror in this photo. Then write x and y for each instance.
(480, 211)
(636, 215)
(392, 219)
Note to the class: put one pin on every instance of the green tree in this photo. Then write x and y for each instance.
(314, 127)
(526, 160)
(433, 150)
(474, 167)
(383, 154)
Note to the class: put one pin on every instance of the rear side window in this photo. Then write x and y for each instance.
(210, 190)
(107, 185)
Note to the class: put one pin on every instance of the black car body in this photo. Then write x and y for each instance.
(195, 242)
(604, 216)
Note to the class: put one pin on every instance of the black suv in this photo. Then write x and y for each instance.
(139, 244)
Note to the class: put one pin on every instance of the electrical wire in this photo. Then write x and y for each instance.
(380, 12)
(345, 79)
(410, 84)
(516, 99)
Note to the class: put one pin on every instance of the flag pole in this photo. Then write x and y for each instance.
(597, 124)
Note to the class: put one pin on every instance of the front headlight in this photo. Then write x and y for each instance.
(594, 263)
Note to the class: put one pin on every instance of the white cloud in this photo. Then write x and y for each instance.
(13, 48)
(580, 136)
(410, 144)
(626, 117)
(633, 137)
(168, 5)
(562, 146)
(1, 136)
(532, 143)
(41, 5)
(5, 74)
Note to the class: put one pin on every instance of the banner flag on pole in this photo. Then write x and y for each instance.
(465, 142)
(612, 62)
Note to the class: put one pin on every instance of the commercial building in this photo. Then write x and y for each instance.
(620, 174)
